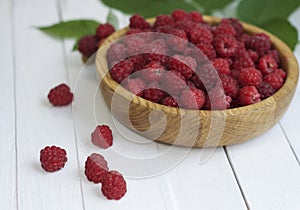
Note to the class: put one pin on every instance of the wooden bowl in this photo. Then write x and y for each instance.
(200, 128)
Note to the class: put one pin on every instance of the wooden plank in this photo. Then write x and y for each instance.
(267, 171)
(8, 194)
(39, 67)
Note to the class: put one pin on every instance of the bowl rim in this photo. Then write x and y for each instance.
(288, 60)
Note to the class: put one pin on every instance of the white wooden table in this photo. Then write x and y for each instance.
(261, 174)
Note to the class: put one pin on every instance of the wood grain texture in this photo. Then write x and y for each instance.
(212, 128)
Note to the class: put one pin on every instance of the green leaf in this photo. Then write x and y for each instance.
(284, 30)
(71, 29)
(148, 8)
(112, 19)
(259, 12)
(75, 46)
(209, 5)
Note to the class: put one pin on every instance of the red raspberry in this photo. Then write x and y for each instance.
(253, 55)
(121, 70)
(280, 72)
(221, 65)
(231, 86)
(265, 90)
(95, 168)
(116, 53)
(196, 17)
(245, 39)
(158, 46)
(248, 95)
(187, 26)
(180, 15)
(185, 65)
(201, 34)
(164, 29)
(225, 45)
(179, 40)
(136, 86)
(274, 54)
(53, 158)
(104, 30)
(275, 80)
(137, 21)
(173, 82)
(236, 24)
(267, 64)
(260, 43)
(113, 185)
(242, 60)
(132, 31)
(208, 76)
(135, 44)
(154, 94)
(224, 28)
(163, 20)
(207, 49)
(88, 45)
(102, 136)
(192, 99)
(153, 71)
(169, 101)
(250, 77)
(234, 74)
(60, 95)
(197, 82)
(138, 62)
(217, 99)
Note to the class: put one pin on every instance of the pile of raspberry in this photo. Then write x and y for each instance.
(238, 69)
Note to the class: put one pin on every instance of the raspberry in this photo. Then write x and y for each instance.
(234, 74)
(104, 30)
(236, 24)
(164, 29)
(265, 90)
(224, 28)
(221, 65)
(253, 55)
(248, 95)
(163, 20)
(116, 53)
(88, 45)
(197, 82)
(60, 95)
(208, 76)
(136, 86)
(192, 99)
(169, 101)
(267, 64)
(179, 42)
(274, 54)
(207, 49)
(138, 62)
(180, 15)
(187, 26)
(173, 82)
(113, 185)
(53, 158)
(230, 86)
(260, 43)
(154, 94)
(134, 44)
(121, 70)
(275, 80)
(137, 21)
(225, 45)
(280, 72)
(217, 100)
(95, 168)
(196, 17)
(153, 71)
(185, 65)
(158, 46)
(200, 34)
(250, 77)
(242, 60)
(102, 136)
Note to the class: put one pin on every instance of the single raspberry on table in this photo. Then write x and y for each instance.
(104, 30)
(53, 158)
(250, 77)
(154, 94)
(102, 136)
(60, 95)
(180, 15)
(267, 64)
(121, 70)
(221, 65)
(137, 21)
(169, 101)
(88, 45)
(207, 49)
(248, 95)
(275, 80)
(225, 45)
(163, 20)
(95, 168)
(192, 99)
(200, 34)
(113, 185)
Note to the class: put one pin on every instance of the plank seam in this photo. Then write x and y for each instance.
(236, 177)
